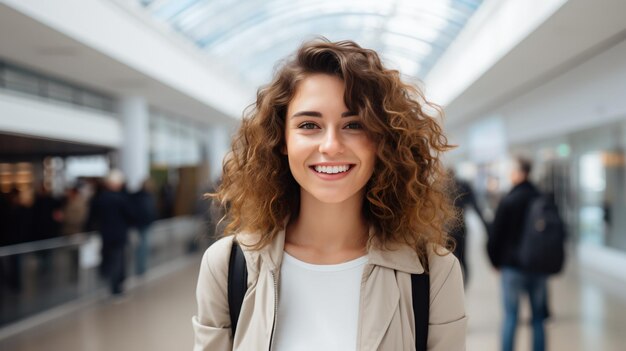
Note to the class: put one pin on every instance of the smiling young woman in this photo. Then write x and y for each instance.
(335, 192)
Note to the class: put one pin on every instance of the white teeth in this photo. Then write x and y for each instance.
(332, 169)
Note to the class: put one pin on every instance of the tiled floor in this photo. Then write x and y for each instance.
(589, 313)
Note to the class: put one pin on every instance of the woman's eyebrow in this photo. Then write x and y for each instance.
(307, 113)
(318, 114)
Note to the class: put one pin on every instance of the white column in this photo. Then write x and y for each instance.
(134, 114)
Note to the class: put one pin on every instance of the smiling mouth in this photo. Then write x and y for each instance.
(332, 169)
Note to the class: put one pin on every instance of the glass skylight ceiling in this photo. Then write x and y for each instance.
(252, 35)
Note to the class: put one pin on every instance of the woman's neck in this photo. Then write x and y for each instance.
(327, 233)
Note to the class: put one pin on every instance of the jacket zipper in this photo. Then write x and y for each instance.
(275, 309)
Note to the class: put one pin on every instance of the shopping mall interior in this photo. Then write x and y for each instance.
(158, 88)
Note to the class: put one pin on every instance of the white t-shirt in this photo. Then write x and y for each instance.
(318, 306)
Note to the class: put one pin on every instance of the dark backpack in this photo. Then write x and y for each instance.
(542, 245)
(238, 284)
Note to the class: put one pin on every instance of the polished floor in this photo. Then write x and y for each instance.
(589, 313)
(154, 316)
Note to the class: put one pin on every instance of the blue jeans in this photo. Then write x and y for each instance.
(514, 284)
(142, 251)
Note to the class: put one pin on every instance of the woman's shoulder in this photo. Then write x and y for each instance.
(217, 256)
(439, 257)
(447, 323)
(444, 267)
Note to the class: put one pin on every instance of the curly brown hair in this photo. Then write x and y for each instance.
(406, 199)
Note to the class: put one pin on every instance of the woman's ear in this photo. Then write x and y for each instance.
(283, 149)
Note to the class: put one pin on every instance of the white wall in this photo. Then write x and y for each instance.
(39, 118)
(591, 94)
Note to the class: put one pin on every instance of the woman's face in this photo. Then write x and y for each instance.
(330, 154)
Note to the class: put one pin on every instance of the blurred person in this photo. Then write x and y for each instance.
(146, 212)
(74, 211)
(47, 219)
(47, 214)
(17, 229)
(210, 211)
(15, 219)
(336, 203)
(492, 195)
(166, 199)
(463, 197)
(112, 214)
(503, 246)
(5, 207)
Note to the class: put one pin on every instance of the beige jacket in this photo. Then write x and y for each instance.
(386, 314)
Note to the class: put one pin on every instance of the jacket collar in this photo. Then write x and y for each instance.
(398, 257)
(526, 184)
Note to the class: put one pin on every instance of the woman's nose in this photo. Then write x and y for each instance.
(331, 144)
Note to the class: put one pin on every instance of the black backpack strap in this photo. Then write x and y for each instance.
(420, 287)
(237, 283)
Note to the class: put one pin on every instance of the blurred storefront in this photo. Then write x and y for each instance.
(56, 136)
(587, 171)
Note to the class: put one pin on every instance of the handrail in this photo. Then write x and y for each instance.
(46, 244)
(63, 241)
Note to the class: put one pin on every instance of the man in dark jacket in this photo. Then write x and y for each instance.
(503, 246)
(146, 213)
(112, 214)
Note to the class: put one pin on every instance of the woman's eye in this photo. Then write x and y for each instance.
(307, 125)
(354, 125)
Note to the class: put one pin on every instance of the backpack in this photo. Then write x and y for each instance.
(238, 284)
(542, 245)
